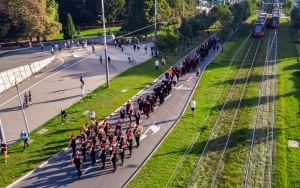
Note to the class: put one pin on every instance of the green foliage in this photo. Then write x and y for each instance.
(69, 30)
(167, 40)
(185, 28)
(289, 4)
(295, 17)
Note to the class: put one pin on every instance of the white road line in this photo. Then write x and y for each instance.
(43, 80)
(168, 96)
(189, 79)
(179, 87)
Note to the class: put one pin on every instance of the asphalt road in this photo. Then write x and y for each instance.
(58, 171)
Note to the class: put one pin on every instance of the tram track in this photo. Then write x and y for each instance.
(211, 159)
(260, 157)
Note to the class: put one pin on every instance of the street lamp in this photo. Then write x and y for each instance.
(105, 46)
(2, 135)
(23, 111)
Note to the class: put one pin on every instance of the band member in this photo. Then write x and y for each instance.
(114, 161)
(122, 113)
(122, 154)
(137, 133)
(137, 116)
(129, 144)
(103, 158)
(83, 149)
(73, 144)
(93, 154)
(78, 163)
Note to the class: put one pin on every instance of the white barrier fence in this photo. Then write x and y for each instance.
(19, 74)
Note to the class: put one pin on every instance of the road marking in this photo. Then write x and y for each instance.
(43, 80)
(154, 127)
(168, 96)
(179, 87)
(189, 79)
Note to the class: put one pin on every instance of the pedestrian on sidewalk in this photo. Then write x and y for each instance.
(24, 136)
(78, 163)
(217, 47)
(100, 58)
(63, 115)
(3, 146)
(108, 59)
(30, 98)
(25, 100)
(146, 49)
(193, 105)
(163, 61)
(122, 48)
(156, 63)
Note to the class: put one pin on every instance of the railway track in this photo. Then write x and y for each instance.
(260, 157)
(216, 98)
(210, 162)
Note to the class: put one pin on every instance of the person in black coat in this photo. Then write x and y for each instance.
(83, 149)
(78, 163)
(103, 158)
(114, 160)
(93, 155)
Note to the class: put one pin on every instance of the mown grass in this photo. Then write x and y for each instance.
(287, 166)
(162, 169)
(57, 136)
(85, 33)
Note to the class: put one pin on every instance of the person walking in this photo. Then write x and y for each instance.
(63, 115)
(83, 149)
(73, 144)
(146, 49)
(114, 160)
(156, 63)
(163, 61)
(78, 163)
(25, 100)
(30, 98)
(122, 154)
(3, 146)
(103, 158)
(93, 154)
(137, 133)
(193, 105)
(108, 59)
(129, 144)
(100, 58)
(24, 136)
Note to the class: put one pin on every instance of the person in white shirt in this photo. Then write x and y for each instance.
(193, 105)
(156, 64)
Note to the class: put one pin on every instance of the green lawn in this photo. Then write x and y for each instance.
(85, 33)
(171, 167)
(57, 136)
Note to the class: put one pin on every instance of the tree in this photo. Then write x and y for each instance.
(288, 5)
(69, 30)
(167, 40)
(185, 29)
(295, 17)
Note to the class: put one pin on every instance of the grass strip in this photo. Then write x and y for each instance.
(85, 33)
(286, 164)
(107, 100)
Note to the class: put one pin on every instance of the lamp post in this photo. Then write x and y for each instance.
(2, 135)
(105, 46)
(23, 111)
(155, 25)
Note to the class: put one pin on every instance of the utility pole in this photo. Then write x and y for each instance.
(23, 111)
(155, 25)
(105, 47)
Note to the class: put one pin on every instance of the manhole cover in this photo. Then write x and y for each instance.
(42, 131)
(293, 143)
(124, 90)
